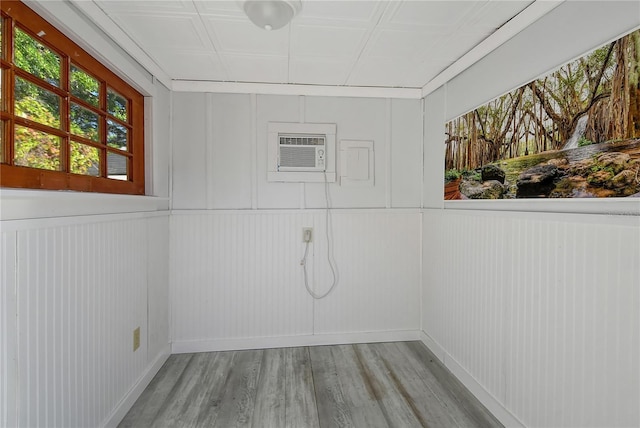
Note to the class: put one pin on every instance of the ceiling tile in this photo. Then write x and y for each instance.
(457, 45)
(242, 36)
(358, 11)
(181, 31)
(219, 8)
(495, 13)
(400, 43)
(310, 40)
(331, 42)
(417, 76)
(439, 13)
(190, 65)
(316, 71)
(380, 72)
(255, 68)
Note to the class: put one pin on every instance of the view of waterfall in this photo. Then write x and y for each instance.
(581, 126)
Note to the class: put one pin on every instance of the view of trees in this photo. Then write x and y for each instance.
(598, 93)
(37, 149)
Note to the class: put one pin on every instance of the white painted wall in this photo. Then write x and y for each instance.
(78, 272)
(77, 287)
(220, 150)
(236, 280)
(536, 312)
(541, 310)
(235, 275)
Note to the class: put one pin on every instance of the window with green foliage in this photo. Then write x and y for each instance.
(66, 121)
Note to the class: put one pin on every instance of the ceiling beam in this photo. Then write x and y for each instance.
(528, 16)
(290, 89)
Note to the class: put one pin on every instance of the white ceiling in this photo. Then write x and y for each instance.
(371, 43)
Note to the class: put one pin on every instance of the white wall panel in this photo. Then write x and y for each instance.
(158, 322)
(433, 153)
(8, 356)
(541, 310)
(229, 147)
(378, 256)
(220, 150)
(356, 119)
(237, 274)
(406, 153)
(80, 297)
(82, 286)
(189, 172)
(158, 146)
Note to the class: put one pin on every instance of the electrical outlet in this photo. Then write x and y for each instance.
(136, 339)
(307, 234)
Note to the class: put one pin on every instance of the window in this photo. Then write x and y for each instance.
(66, 121)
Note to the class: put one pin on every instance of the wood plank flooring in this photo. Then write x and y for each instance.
(398, 384)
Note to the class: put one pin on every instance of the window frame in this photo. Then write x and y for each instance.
(17, 14)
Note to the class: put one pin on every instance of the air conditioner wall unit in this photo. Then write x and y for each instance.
(301, 152)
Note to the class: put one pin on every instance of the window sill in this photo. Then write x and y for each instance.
(20, 204)
(603, 206)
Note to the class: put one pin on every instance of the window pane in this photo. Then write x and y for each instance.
(117, 105)
(84, 86)
(32, 56)
(117, 166)
(85, 159)
(117, 135)
(37, 104)
(36, 149)
(1, 40)
(84, 122)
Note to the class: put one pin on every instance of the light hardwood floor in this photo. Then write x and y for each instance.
(397, 384)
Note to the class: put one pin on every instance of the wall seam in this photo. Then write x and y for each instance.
(389, 114)
(209, 150)
(254, 151)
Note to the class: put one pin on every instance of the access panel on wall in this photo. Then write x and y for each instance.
(574, 133)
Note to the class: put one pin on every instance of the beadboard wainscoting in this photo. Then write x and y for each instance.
(73, 290)
(8, 369)
(539, 314)
(237, 282)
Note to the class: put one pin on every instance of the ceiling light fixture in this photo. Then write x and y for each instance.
(271, 14)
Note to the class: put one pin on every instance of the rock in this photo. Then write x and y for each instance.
(621, 180)
(491, 189)
(561, 163)
(630, 191)
(569, 187)
(492, 172)
(537, 181)
(615, 160)
(599, 178)
(582, 167)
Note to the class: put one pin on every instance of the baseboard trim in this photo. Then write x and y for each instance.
(134, 393)
(236, 344)
(485, 397)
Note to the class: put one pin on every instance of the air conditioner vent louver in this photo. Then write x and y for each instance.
(302, 157)
(302, 152)
(311, 140)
